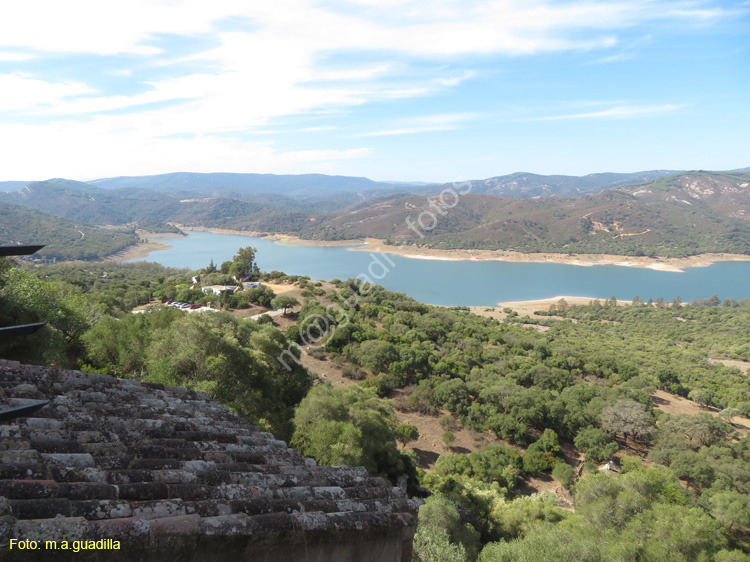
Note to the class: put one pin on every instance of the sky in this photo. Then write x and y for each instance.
(399, 90)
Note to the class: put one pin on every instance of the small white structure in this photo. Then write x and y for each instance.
(610, 466)
(219, 289)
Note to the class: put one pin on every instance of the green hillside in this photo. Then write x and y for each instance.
(644, 387)
(63, 239)
(680, 215)
(668, 216)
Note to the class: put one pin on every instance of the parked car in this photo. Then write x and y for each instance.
(194, 306)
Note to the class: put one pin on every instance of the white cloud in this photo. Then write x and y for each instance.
(620, 112)
(285, 65)
(425, 124)
(455, 81)
(19, 91)
(407, 131)
(94, 149)
(92, 26)
(14, 57)
(121, 72)
(614, 58)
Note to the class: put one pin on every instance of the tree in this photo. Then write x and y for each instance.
(284, 302)
(729, 413)
(349, 425)
(542, 453)
(25, 299)
(700, 429)
(627, 417)
(235, 361)
(731, 556)
(731, 508)
(406, 433)
(702, 396)
(442, 536)
(449, 439)
(376, 355)
(596, 443)
(244, 263)
(564, 473)
(433, 545)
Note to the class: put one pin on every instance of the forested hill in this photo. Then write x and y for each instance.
(300, 186)
(151, 210)
(64, 239)
(670, 216)
(12, 185)
(522, 184)
(83, 202)
(677, 215)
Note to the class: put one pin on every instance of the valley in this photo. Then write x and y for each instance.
(670, 216)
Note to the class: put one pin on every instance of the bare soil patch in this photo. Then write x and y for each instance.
(545, 483)
(672, 404)
(585, 260)
(140, 250)
(529, 307)
(327, 370)
(743, 366)
(537, 327)
(489, 312)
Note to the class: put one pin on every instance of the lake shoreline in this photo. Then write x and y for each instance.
(672, 265)
(278, 238)
(532, 305)
(137, 251)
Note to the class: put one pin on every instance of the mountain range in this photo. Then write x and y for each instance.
(652, 213)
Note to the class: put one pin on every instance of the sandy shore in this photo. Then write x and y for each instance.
(141, 250)
(528, 307)
(278, 238)
(286, 241)
(676, 265)
(148, 235)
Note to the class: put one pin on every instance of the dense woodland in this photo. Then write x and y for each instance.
(683, 492)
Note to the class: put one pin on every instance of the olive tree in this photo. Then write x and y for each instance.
(629, 418)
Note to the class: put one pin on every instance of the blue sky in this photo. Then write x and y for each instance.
(389, 89)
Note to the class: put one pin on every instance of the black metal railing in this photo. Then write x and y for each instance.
(9, 332)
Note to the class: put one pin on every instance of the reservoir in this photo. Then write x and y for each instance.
(466, 283)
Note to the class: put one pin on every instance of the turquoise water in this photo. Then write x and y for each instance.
(463, 282)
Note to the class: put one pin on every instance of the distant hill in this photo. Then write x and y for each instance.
(680, 214)
(299, 186)
(12, 185)
(726, 193)
(87, 203)
(662, 214)
(523, 184)
(152, 209)
(64, 239)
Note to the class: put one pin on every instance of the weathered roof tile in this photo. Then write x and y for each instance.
(160, 468)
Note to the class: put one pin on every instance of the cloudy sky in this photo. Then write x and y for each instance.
(437, 90)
